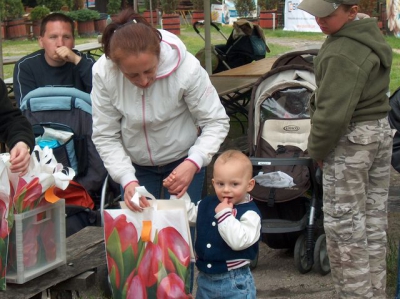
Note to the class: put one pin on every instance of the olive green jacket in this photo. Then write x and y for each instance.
(352, 72)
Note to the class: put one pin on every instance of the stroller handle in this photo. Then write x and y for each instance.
(201, 23)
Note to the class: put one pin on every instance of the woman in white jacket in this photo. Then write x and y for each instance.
(155, 111)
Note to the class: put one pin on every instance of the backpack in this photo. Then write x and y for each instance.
(394, 121)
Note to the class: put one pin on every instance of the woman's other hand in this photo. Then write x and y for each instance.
(179, 180)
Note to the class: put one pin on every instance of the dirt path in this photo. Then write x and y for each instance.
(295, 43)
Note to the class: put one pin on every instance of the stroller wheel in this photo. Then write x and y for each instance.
(301, 260)
(321, 258)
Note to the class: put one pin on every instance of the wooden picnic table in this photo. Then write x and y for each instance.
(226, 85)
(234, 93)
(11, 59)
(253, 69)
(234, 86)
(85, 252)
(91, 48)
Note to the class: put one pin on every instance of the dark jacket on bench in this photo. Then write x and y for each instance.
(14, 127)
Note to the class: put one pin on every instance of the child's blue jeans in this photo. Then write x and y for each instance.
(235, 284)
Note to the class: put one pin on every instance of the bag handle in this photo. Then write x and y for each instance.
(142, 191)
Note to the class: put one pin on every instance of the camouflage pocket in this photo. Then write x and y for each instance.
(338, 222)
(363, 140)
(365, 134)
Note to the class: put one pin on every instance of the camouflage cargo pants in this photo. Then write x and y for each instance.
(356, 184)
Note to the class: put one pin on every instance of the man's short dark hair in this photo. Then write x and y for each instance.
(54, 17)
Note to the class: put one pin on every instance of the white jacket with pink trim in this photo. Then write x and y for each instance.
(157, 125)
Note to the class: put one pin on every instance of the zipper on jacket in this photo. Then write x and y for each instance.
(144, 128)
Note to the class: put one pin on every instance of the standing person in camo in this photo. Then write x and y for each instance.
(16, 132)
(351, 140)
(56, 64)
(155, 111)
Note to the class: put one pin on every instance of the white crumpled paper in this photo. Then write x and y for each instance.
(276, 179)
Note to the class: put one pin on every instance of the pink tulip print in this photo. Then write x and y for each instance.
(4, 227)
(126, 231)
(31, 246)
(150, 264)
(27, 196)
(173, 246)
(113, 272)
(4, 232)
(38, 244)
(136, 287)
(48, 238)
(158, 268)
(170, 287)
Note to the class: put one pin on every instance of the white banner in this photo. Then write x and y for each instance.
(226, 12)
(218, 15)
(297, 19)
(393, 16)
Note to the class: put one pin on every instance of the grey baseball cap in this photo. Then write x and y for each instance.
(323, 8)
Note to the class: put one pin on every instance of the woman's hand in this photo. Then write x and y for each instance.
(179, 180)
(129, 191)
(20, 158)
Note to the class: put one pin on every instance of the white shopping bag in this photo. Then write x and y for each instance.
(149, 253)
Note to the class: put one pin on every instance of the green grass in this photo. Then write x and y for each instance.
(391, 262)
(194, 43)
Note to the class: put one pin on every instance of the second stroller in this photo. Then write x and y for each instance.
(245, 44)
(287, 191)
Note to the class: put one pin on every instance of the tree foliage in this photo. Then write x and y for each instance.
(13, 9)
(53, 5)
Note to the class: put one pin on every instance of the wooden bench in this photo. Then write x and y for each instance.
(234, 94)
(85, 253)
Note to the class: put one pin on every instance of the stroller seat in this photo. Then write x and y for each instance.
(286, 132)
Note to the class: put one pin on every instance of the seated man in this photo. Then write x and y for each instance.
(56, 64)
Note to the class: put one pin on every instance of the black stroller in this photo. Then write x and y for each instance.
(287, 191)
(68, 110)
(245, 44)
